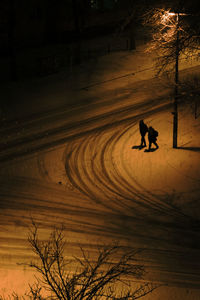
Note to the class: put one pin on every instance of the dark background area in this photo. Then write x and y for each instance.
(38, 38)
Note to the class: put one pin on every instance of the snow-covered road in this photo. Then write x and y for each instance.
(76, 166)
(96, 185)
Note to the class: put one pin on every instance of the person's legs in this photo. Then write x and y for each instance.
(156, 145)
(143, 141)
(150, 145)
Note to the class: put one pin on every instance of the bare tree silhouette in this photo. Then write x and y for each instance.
(93, 279)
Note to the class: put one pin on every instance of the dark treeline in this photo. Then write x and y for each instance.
(34, 23)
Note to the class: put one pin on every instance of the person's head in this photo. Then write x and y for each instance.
(141, 121)
(150, 128)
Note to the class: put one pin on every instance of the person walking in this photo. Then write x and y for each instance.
(152, 137)
(143, 130)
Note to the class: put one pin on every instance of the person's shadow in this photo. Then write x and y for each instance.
(151, 150)
(139, 147)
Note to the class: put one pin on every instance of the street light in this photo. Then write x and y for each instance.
(175, 112)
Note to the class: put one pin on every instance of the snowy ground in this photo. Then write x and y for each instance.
(90, 178)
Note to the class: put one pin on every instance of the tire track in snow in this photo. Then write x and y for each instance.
(103, 180)
(99, 168)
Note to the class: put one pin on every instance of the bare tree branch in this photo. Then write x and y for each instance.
(164, 26)
(94, 279)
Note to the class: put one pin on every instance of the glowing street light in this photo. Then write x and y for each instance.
(175, 14)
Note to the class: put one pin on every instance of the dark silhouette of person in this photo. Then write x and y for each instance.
(143, 130)
(152, 137)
